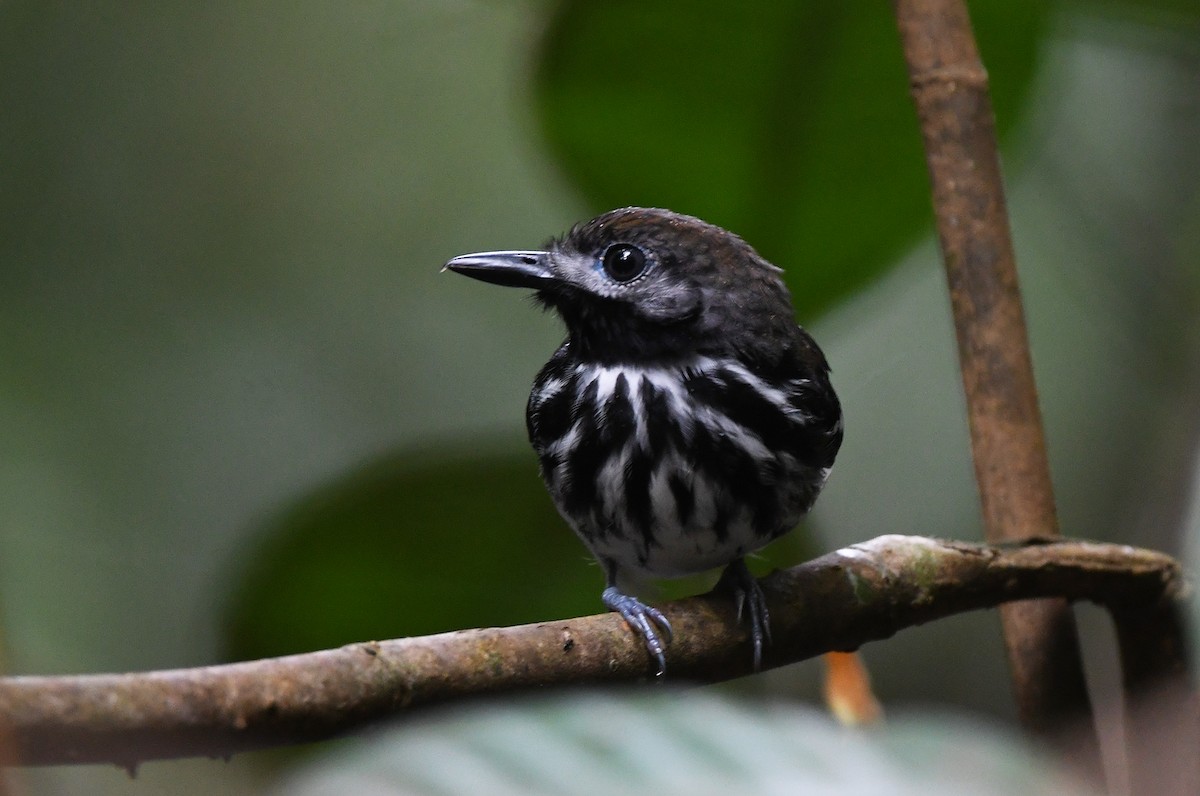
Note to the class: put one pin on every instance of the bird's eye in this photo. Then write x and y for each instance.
(624, 262)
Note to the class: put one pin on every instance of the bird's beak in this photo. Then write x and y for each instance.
(511, 269)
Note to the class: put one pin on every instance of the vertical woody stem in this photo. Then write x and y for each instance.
(950, 89)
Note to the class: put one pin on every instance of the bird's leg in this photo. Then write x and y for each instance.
(642, 618)
(749, 597)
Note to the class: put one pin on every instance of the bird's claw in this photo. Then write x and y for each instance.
(642, 618)
(751, 600)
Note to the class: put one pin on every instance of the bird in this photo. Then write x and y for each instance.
(686, 420)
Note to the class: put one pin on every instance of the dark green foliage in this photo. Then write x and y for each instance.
(788, 123)
(409, 547)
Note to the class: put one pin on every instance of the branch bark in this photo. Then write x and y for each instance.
(840, 601)
(950, 90)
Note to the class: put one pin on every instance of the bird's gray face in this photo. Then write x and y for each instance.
(622, 277)
(639, 279)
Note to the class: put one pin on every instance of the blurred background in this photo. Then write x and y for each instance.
(242, 413)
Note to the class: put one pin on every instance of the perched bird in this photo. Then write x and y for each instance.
(687, 420)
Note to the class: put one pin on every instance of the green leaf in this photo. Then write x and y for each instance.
(693, 742)
(788, 123)
(409, 547)
(414, 545)
(1180, 15)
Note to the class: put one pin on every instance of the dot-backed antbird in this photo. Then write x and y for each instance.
(687, 420)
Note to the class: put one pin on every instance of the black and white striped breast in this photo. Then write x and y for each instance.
(673, 469)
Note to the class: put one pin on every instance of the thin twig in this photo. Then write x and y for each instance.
(950, 89)
(838, 602)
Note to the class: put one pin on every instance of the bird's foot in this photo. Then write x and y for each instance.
(642, 618)
(750, 599)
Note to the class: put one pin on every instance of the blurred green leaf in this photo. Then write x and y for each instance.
(408, 547)
(1181, 15)
(788, 123)
(692, 742)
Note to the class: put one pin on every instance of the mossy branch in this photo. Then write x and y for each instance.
(840, 601)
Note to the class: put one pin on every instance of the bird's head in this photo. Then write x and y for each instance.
(645, 283)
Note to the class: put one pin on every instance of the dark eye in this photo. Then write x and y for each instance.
(623, 262)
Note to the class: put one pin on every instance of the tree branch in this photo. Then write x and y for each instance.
(950, 90)
(840, 601)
